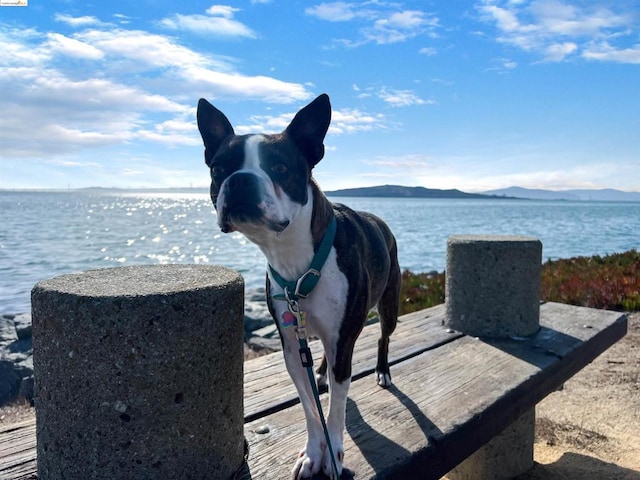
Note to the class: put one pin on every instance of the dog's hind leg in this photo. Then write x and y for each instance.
(321, 372)
(388, 312)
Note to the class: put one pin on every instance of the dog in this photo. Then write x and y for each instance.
(262, 186)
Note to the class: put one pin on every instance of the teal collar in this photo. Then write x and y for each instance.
(302, 287)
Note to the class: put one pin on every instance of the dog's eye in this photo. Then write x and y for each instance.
(280, 168)
(216, 171)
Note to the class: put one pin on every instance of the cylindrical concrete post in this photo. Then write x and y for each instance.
(493, 290)
(493, 285)
(138, 373)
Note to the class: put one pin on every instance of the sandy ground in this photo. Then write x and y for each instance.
(588, 431)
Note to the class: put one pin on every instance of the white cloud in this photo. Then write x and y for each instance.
(399, 27)
(558, 51)
(137, 50)
(218, 22)
(123, 19)
(17, 50)
(134, 50)
(428, 51)
(73, 48)
(559, 18)
(385, 23)
(556, 30)
(605, 52)
(353, 120)
(502, 65)
(77, 21)
(57, 115)
(343, 121)
(133, 93)
(335, 11)
(401, 98)
(265, 124)
(225, 11)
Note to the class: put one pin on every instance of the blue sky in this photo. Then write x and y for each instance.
(472, 95)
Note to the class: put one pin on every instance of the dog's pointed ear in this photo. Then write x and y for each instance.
(308, 128)
(214, 127)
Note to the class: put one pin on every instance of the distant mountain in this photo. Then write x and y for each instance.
(406, 192)
(603, 195)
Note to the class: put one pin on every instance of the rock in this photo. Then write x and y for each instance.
(9, 381)
(7, 330)
(26, 388)
(256, 312)
(268, 331)
(16, 361)
(22, 324)
(261, 343)
(265, 338)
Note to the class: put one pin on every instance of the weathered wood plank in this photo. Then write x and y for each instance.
(446, 402)
(18, 450)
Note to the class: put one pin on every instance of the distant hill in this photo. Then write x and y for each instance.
(405, 192)
(603, 195)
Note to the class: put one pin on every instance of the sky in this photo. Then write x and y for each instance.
(467, 94)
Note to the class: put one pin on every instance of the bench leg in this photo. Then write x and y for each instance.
(506, 456)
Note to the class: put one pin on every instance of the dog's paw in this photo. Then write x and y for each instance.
(383, 379)
(327, 466)
(308, 463)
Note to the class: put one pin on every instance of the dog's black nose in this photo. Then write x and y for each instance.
(243, 181)
(244, 192)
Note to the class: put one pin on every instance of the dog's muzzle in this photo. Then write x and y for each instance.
(244, 202)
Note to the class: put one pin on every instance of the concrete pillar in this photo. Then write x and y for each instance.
(139, 373)
(493, 291)
(493, 285)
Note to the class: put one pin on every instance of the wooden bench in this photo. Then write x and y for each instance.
(452, 394)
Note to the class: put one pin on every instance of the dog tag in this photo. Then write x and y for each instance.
(288, 319)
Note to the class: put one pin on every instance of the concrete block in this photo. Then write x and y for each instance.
(505, 457)
(493, 285)
(138, 373)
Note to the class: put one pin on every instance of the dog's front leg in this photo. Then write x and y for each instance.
(336, 422)
(310, 459)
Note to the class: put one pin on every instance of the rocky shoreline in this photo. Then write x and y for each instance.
(16, 361)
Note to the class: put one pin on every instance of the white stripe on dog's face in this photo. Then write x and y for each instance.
(252, 154)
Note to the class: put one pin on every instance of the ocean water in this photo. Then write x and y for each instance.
(45, 234)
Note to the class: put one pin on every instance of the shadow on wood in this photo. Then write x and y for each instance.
(379, 450)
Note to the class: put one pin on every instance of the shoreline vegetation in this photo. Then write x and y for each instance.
(607, 282)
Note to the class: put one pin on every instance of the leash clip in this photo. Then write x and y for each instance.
(294, 308)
